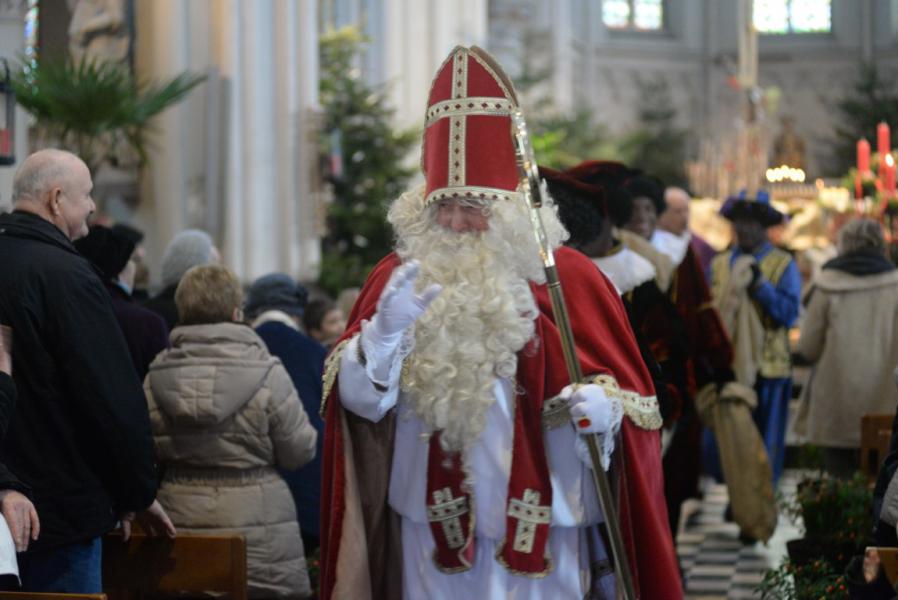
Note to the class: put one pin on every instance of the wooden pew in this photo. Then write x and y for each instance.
(876, 430)
(146, 567)
(49, 596)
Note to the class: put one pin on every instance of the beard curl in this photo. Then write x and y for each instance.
(471, 333)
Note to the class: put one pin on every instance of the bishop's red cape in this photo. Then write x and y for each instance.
(361, 555)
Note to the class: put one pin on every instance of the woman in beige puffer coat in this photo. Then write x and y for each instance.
(224, 412)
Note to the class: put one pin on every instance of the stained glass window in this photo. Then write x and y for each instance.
(639, 15)
(793, 16)
(30, 34)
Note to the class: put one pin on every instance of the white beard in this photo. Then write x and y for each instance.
(471, 333)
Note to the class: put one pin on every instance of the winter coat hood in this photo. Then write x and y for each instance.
(209, 373)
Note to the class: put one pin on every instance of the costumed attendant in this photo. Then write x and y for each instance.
(709, 354)
(755, 273)
(454, 463)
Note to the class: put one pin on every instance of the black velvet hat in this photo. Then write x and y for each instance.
(757, 208)
(108, 249)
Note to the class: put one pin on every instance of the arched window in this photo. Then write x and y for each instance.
(793, 16)
(635, 15)
(30, 32)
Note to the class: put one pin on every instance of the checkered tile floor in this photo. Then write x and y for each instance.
(715, 564)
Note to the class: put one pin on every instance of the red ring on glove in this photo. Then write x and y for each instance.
(583, 423)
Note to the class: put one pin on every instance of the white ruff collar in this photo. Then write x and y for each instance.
(625, 269)
(674, 246)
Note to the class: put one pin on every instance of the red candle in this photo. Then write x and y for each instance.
(883, 141)
(890, 174)
(863, 156)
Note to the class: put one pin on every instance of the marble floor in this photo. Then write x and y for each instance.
(716, 565)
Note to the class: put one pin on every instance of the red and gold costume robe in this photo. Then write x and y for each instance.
(361, 557)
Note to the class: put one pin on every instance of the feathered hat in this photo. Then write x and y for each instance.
(757, 208)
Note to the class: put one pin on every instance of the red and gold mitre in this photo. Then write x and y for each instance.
(468, 150)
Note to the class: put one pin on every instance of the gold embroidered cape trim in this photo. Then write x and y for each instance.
(642, 410)
(550, 565)
(329, 378)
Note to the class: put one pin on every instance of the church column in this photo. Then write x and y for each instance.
(231, 157)
(161, 51)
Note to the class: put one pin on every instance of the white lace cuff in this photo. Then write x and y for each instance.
(604, 440)
(383, 361)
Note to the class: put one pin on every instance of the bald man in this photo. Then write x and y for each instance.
(79, 437)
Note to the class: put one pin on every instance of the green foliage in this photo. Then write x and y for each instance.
(870, 99)
(809, 582)
(868, 183)
(657, 146)
(374, 167)
(95, 109)
(561, 141)
(835, 509)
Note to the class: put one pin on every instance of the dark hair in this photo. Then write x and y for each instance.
(648, 187)
(315, 312)
(581, 216)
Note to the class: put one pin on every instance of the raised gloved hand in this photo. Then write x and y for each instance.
(592, 411)
(399, 306)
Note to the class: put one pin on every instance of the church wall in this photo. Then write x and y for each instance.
(696, 54)
(236, 158)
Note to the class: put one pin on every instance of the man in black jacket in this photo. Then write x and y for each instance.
(80, 436)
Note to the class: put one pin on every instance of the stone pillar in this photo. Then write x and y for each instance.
(232, 158)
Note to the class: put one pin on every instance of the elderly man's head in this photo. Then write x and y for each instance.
(56, 186)
(676, 218)
(483, 255)
(861, 235)
(461, 216)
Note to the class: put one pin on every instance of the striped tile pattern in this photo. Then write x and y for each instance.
(715, 564)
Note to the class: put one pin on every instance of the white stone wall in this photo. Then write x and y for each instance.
(235, 157)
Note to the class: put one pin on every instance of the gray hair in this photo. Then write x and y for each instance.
(39, 172)
(189, 248)
(861, 235)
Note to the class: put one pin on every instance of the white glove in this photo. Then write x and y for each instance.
(592, 411)
(399, 306)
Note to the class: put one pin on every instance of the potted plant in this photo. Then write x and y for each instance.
(836, 518)
(813, 581)
(98, 110)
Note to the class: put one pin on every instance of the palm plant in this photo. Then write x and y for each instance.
(98, 110)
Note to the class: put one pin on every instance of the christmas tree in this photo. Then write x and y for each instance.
(871, 99)
(369, 165)
(657, 145)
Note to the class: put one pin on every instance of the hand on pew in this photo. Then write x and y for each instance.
(154, 521)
